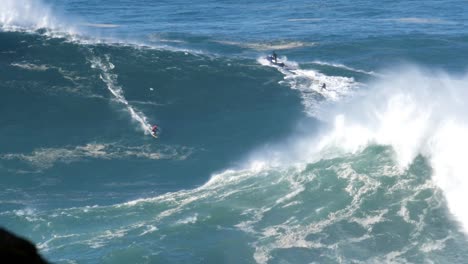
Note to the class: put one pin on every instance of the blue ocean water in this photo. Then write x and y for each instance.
(351, 153)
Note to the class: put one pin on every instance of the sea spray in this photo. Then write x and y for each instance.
(416, 112)
(31, 15)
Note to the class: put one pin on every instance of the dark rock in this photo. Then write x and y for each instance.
(14, 249)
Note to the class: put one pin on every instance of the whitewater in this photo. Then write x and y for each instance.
(352, 153)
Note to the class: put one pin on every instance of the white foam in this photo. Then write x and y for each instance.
(342, 66)
(311, 80)
(315, 88)
(29, 214)
(369, 221)
(31, 66)
(292, 233)
(30, 15)
(44, 158)
(33, 15)
(188, 220)
(149, 229)
(417, 113)
(44, 246)
(102, 238)
(434, 245)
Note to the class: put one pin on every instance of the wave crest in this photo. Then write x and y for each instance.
(417, 113)
(31, 15)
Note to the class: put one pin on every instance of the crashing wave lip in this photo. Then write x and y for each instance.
(70, 34)
(32, 16)
(35, 17)
(76, 37)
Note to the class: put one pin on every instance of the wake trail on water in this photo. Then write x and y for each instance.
(110, 79)
(342, 66)
(315, 88)
(30, 16)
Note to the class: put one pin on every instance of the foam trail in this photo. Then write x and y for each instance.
(313, 86)
(110, 80)
(342, 66)
(417, 113)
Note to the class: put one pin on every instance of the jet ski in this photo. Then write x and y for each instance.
(274, 61)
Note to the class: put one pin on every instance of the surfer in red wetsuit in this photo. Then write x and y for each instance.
(154, 129)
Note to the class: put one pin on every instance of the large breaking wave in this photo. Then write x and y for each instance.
(416, 112)
(365, 188)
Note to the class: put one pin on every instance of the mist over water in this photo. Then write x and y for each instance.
(29, 15)
(351, 153)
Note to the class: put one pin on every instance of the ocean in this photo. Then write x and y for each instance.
(351, 153)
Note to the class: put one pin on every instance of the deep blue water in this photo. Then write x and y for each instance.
(352, 153)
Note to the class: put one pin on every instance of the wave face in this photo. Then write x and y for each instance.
(330, 159)
(101, 100)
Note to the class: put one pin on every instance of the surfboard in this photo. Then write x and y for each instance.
(155, 135)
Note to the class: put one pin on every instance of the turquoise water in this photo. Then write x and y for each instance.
(352, 153)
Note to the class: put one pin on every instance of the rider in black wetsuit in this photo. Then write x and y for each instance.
(275, 57)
